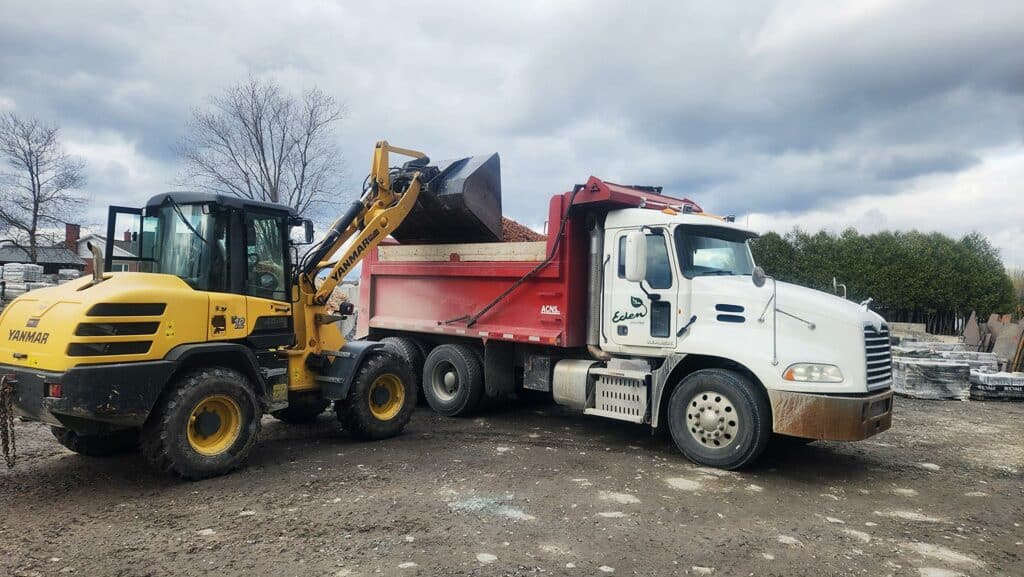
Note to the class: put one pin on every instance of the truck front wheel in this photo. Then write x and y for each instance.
(453, 380)
(719, 418)
(205, 425)
(105, 445)
(381, 399)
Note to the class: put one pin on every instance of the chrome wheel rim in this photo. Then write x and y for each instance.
(711, 420)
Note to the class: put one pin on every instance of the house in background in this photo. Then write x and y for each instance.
(51, 258)
(122, 248)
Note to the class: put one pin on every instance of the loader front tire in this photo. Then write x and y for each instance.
(412, 352)
(105, 445)
(205, 424)
(381, 398)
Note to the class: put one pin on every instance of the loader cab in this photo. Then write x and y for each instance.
(214, 243)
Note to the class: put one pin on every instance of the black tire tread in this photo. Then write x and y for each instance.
(354, 412)
(474, 381)
(749, 392)
(155, 442)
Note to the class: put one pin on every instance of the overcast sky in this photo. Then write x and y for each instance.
(872, 113)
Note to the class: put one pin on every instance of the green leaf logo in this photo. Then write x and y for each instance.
(636, 302)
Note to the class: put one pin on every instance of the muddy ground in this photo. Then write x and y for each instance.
(534, 490)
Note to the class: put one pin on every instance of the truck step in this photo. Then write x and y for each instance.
(620, 395)
(615, 415)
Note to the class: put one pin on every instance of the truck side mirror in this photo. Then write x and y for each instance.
(636, 256)
(758, 276)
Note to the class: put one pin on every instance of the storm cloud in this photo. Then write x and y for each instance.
(811, 113)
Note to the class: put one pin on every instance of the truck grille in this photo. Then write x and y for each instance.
(879, 357)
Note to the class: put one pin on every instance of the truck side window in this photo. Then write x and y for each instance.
(264, 252)
(659, 268)
(622, 257)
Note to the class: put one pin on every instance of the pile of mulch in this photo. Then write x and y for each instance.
(512, 231)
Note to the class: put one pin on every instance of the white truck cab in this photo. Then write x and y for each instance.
(683, 288)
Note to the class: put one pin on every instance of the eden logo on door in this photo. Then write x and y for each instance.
(550, 310)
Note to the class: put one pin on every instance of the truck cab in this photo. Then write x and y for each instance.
(684, 285)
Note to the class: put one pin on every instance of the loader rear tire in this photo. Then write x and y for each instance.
(204, 425)
(453, 380)
(412, 352)
(381, 399)
(302, 409)
(105, 445)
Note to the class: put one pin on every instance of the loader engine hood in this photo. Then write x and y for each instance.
(125, 318)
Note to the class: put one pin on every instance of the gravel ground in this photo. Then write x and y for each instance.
(530, 490)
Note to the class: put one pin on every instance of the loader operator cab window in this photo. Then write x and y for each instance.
(264, 252)
(190, 242)
(712, 250)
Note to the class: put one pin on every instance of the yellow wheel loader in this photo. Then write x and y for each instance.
(228, 324)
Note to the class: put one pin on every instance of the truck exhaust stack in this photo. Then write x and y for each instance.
(460, 201)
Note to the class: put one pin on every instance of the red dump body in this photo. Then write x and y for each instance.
(425, 292)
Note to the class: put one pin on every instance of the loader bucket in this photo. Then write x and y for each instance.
(460, 202)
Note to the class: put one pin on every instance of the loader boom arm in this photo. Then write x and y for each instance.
(367, 222)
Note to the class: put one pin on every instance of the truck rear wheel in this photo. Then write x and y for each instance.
(719, 418)
(301, 409)
(413, 353)
(105, 445)
(453, 380)
(205, 425)
(381, 399)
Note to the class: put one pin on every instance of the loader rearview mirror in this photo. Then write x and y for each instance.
(636, 256)
(307, 232)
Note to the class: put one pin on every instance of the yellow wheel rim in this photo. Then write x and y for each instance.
(214, 425)
(387, 395)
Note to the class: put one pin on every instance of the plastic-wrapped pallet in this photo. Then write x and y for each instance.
(936, 379)
(14, 272)
(986, 362)
(997, 386)
(66, 274)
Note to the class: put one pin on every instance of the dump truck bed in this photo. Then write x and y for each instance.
(425, 288)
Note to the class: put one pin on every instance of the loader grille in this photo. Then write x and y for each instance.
(879, 357)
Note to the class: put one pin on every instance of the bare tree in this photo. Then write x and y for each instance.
(38, 179)
(255, 141)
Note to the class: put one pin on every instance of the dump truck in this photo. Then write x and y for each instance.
(219, 323)
(638, 307)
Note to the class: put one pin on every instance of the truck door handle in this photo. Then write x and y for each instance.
(686, 327)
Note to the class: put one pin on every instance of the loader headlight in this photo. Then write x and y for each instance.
(813, 373)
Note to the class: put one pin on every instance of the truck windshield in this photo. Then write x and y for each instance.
(190, 242)
(712, 250)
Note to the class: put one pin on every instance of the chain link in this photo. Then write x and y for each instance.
(7, 421)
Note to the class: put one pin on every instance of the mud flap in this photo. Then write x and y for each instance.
(338, 375)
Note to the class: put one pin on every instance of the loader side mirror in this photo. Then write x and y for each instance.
(307, 231)
(636, 256)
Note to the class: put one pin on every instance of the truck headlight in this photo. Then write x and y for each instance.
(813, 373)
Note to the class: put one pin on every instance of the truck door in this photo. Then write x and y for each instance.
(632, 317)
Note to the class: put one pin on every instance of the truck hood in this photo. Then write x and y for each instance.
(809, 304)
